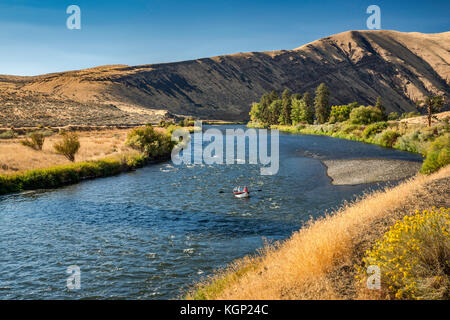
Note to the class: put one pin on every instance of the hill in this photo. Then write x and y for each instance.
(356, 65)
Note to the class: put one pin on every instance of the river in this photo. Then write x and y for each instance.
(152, 233)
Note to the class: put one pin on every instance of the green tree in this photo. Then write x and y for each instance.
(380, 106)
(255, 112)
(264, 112)
(307, 111)
(321, 103)
(365, 115)
(433, 104)
(301, 112)
(340, 113)
(285, 115)
(69, 146)
(152, 143)
(273, 96)
(274, 111)
(308, 100)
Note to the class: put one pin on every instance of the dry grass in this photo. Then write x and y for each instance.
(95, 145)
(318, 261)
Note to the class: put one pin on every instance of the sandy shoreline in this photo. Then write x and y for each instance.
(359, 171)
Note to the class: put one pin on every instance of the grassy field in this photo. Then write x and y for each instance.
(95, 145)
(102, 153)
(321, 261)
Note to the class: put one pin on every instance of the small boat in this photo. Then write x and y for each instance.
(240, 192)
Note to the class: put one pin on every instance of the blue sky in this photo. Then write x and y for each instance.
(34, 38)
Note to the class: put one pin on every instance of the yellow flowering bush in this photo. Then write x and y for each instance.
(414, 257)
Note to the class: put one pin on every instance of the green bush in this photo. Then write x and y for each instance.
(8, 135)
(387, 138)
(153, 144)
(393, 116)
(69, 146)
(349, 127)
(409, 142)
(36, 142)
(374, 128)
(365, 115)
(437, 155)
(340, 113)
(411, 114)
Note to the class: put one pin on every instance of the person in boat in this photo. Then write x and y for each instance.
(239, 190)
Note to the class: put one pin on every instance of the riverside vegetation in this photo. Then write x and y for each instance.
(303, 115)
(141, 146)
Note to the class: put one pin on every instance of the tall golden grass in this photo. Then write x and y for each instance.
(317, 262)
(14, 157)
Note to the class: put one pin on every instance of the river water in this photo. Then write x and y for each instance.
(152, 233)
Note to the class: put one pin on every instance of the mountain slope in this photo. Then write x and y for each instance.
(356, 65)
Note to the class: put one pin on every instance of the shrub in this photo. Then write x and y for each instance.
(393, 116)
(153, 144)
(387, 138)
(437, 155)
(409, 142)
(365, 115)
(374, 128)
(340, 113)
(349, 127)
(9, 134)
(36, 142)
(411, 114)
(414, 256)
(69, 146)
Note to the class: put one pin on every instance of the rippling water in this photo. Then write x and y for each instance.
(150, 234)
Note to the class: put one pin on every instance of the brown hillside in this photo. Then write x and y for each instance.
(356, 65)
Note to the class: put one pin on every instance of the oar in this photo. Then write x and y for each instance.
(221, 191)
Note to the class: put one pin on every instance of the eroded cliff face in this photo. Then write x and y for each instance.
(356, 65)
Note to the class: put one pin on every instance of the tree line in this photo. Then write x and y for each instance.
(292, 109)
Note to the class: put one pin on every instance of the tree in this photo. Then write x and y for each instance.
(152, 143)
(340, 113)
(273, 96)
(296, 111)
(308, 100)
(365, 115)
(36, 142)
(433, 105)
(380, 106)
(307, 111)
(285, 115)
(274, 111)
(255, 112)
(264, 112)
(321, 103)
(301, 112)
(69, 146)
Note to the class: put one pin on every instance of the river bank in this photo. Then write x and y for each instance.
(359, 171)
(411, 135)
(102, 153)
(321, 260)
